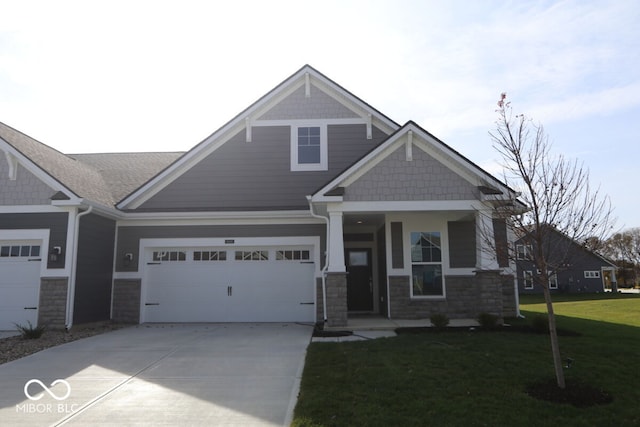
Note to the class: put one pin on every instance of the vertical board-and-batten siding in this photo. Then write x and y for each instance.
(397, 253)
(94, 269)
(257, 175)
(424, 178)
(129, 237)
(26, 189)
(55, 222)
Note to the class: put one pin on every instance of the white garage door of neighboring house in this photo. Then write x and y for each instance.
(19, 283)
(257, 284)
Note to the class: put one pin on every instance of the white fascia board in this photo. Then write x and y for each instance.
(413, 206)
(36, 170)
(31, 209)
(218, 218)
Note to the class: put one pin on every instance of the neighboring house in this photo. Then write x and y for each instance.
(573, 267)
(309, 206)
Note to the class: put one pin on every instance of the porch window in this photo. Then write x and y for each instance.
(426, 264)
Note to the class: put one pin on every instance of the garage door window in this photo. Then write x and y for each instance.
(15, 251)
(209, 255)
(169, 256)
(292, 255)
(252, 255)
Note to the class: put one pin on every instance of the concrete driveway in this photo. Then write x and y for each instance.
(199, 375)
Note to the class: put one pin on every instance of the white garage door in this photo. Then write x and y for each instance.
(19, 283)
(257, 284)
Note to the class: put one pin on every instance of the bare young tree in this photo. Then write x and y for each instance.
(560, 201)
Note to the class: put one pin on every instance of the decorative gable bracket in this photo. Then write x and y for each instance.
(13, 165)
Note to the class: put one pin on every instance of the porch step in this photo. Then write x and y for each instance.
(371, 323)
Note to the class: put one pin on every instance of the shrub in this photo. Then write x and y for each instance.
(439, 320)
(30, 332)
(540, 324)
(488, 320)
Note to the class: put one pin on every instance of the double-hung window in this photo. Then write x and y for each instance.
(309, 147)
(528, 279)
(426, 264)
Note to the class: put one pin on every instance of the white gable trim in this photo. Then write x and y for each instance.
(410, 136)
(17, 159)
(222, 135)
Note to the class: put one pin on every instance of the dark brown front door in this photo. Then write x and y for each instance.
(359, 280)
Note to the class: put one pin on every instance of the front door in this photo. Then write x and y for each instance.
(359, 280)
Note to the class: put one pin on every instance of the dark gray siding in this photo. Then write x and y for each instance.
(257, 175)
(129, 237)
(397, 253)
(382, 270)
(55, 222)
(94, 271)
(462, 244)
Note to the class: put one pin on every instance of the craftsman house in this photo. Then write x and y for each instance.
(308, 206)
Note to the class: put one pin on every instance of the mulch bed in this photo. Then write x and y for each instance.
(576, 393)
(525, 329)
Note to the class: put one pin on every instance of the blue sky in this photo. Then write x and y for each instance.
(105, 76)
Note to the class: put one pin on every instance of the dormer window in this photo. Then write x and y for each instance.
(309, 147)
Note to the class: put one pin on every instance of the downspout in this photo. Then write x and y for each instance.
(74, 265)
(326, 260)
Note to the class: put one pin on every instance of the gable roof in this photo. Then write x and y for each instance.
(101, 178)
(486, 183)
(304, 76)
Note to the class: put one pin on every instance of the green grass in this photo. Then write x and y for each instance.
(478, 378)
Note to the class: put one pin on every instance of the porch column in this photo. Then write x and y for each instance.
(486, 258)
(336, 244)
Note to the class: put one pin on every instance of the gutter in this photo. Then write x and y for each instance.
(74, 264)
(326, 260)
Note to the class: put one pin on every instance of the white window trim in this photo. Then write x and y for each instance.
(324, 149)
(530, 279)
(441, 264)
(526, 252)
(553, 278)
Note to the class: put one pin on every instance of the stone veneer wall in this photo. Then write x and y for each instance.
(52, 307)
(126, 300)
(336, 288)
(319, 302)
(467, 296)
(509, 308)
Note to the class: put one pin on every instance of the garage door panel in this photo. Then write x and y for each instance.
(230, 290)
(19, 284)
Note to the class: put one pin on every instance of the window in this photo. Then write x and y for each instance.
(15, 251)
(309, 148)
(591, 274)
(293, 255)
(252, 255)
(553, 280)
(209, 255)
(169, 255)
(426, 264)
(523, 252)
(528, 279)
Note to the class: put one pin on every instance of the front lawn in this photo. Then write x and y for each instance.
(478, 378)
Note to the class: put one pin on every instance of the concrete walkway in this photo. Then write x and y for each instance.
(199, 375)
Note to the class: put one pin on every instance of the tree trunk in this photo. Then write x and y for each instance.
(553, 333)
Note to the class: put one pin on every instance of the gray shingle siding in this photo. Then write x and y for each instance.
(129, 237)
(424, 178)
(94, 269)
(26, 189)
(257, 175)
(318, 106)
(55, 222)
